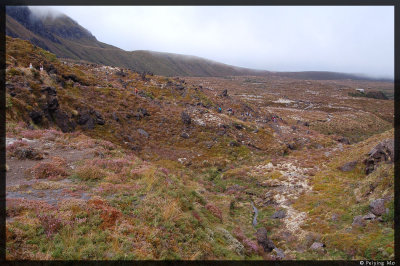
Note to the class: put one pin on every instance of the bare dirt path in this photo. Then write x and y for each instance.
(21, 185)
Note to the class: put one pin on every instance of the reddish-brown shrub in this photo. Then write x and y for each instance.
(50, 223)
(250, 245)
(52, 170)
(108, 213)
(214, 210)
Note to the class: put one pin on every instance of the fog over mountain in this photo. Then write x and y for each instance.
(341, 39)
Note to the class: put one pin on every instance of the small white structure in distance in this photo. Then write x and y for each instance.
(360, 90)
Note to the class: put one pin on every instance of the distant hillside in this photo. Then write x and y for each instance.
(325, 75)
(67, 39)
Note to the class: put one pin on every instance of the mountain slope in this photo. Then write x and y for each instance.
(64, 37)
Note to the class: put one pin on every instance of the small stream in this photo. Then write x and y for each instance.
(255, 214)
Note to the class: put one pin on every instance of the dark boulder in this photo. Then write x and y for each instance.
(186, 119)
(51, 91)
(36, 117)
(279, 214)
(185, 135)
(224, 93)
(52, 103)
(263, 240)
(383, 152)
(344, 140)
(83, 118)
(87, 119)
(72, 77)
(347, 167)
(63, 121)
(291, 146)
(98, 118)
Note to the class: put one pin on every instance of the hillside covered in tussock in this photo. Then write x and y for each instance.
(287, 169)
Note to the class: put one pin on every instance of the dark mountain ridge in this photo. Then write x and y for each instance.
(64, 37)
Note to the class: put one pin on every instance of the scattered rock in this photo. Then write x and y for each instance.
(335, 217)
(28, 153)
(51, 91)
(358, 221)
(234, 143)
(291, 146)
(224, 93)
(238, 126)
(376, 95)
(347, 167)
(182, 160)
(209, 144)
(271, 183)
(186, 119)
(279, 253)
(234, 244)
(369, 216)
(143, 111)
(143, 133)
(377, 207)
(263, 240)
(344, 140)
(383, 152)
(279, 214)
(185, 135)
(99, 118)
(317, 246)
(115, 117)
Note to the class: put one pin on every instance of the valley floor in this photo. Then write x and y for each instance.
(228, 168)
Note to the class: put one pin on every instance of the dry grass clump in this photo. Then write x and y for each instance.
(53, 170)
(90, 172)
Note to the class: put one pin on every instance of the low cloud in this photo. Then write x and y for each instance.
(350, 39)
(43, 12)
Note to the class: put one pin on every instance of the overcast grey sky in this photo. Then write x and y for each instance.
(353, 39)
